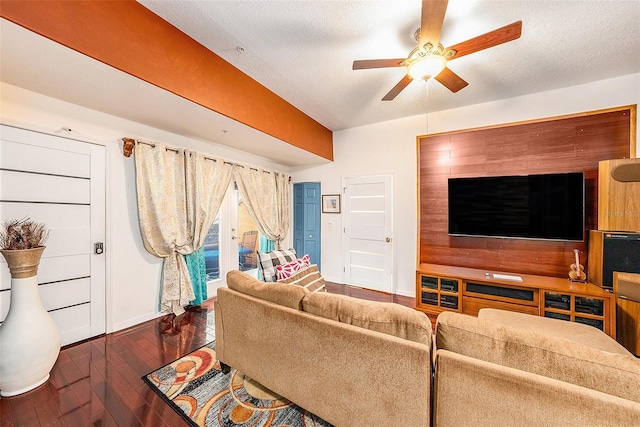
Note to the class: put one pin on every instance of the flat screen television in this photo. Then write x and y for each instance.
(548, 206)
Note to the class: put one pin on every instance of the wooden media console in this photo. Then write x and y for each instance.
(467, 290)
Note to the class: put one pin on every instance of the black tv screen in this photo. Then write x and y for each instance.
(549, 206)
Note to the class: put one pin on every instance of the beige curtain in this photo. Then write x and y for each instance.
(266, 196)
(179, 194)
(160, 182)
(283, 203)
(207, 181)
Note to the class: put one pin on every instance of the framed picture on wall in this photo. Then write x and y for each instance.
(330, 203)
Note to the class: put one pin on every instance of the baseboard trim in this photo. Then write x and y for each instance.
(135, 321)
(336, 280)
(405, 293)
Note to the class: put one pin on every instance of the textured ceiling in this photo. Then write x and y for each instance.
(303, 50)
(38, 64)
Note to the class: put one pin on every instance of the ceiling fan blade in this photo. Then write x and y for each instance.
(451, 80)
(433, 12)
(377, 63)
(492, 38)
(398, 88)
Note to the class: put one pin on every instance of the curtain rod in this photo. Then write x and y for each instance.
(129, 144)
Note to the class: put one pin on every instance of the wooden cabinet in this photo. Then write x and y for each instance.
(577, 308)
(437, 293)
(618, 189)
(628, 318)
(466, 290)
(626, 287)
(491, 295)
(473, 305)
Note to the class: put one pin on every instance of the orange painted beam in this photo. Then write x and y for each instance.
(131, 38)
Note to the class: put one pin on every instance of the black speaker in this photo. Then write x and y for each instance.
(620, 252)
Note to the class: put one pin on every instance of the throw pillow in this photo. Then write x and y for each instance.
(268, 261)
(284, 271)
(309, 278)
(305, 261)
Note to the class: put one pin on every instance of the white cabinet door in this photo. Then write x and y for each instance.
(61, 183)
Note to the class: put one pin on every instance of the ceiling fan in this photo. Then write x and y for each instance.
(429, 59)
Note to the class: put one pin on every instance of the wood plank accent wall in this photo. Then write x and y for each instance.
(565, 144)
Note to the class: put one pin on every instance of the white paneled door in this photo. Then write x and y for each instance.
(59, 182)
(367, 219)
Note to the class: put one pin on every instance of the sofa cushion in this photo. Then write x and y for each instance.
(268, 261)
(539, 353)
(288, 296)
(388, 318)
(309, 277)
(582, 334)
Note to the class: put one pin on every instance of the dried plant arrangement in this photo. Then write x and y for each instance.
(23, 233)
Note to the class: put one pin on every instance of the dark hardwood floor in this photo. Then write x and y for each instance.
(97, 382)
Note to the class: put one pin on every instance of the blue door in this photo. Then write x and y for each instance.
(306, 220)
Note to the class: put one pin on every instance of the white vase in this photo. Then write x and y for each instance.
(29, 338)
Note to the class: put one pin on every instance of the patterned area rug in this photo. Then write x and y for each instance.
(196, 388)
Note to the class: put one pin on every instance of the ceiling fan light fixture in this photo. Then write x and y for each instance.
(426, 67)
(429, 59)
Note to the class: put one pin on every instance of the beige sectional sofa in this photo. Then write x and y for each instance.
(362, 363)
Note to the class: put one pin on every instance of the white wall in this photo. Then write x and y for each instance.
(382, 148)
(133, 275)
(390, 147)
(616, 92)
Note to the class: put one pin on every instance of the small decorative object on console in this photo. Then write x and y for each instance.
(576, 274)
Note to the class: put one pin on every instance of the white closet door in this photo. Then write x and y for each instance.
(367, 218)
(59, 182)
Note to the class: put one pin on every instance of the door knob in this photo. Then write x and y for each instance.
(388, 239)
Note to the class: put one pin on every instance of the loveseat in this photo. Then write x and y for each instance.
(363, 363)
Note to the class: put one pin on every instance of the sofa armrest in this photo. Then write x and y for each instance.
(539, 353)
(469, 391)
(577, 332)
